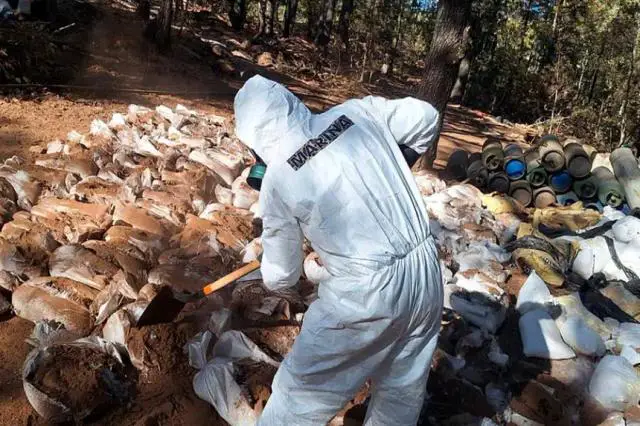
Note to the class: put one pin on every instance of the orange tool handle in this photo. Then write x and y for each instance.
(233, 276)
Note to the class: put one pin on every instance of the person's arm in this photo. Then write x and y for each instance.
(412, 122)
(282, 239)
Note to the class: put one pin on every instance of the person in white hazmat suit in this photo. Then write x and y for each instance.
(340, 179)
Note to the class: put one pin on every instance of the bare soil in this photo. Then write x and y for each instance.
(86, 380)
(164, 391)
(14, 407)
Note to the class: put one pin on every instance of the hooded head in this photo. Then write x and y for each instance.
(268, 116)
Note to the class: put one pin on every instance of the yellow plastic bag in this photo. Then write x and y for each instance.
(573, 217)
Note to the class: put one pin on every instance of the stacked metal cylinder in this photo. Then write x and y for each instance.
(550, 172)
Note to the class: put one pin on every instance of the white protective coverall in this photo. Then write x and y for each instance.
(339, 179)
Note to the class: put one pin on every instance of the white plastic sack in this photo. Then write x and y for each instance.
(480, 252)
(215, 381)
(594, 256)
(615, 383)
(630, 354)
(534, 294)
(223, 195)
(581, 338)
(628, 334)
(541, 337)
(572, 307)
(627, 230)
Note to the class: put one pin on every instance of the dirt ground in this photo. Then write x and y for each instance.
(112, 65)
(14, 407)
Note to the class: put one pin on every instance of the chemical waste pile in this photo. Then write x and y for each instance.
(542, 308)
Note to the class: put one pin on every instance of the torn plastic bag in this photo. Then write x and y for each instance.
(627, 230)
(541, 337)
(534, 294)
(215, 382)
(252, 251)
(243, 195)
(47, 379)
(484, 256)
(616, 260)
(47, 333)
(480, 310)
(223, 195)
(628, 334)
(428, 183)
(116, 330)
(573, 217)
(80, 264)
(27, 188)
(455, 206)
(55, 299)
(615, 383)
(225, 164)
(314, 270)
(572, 307)
(631, 355)
(106, 302)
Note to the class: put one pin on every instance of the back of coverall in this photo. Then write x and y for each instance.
(340, 180)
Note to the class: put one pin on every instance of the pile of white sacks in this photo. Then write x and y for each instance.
(470, 240)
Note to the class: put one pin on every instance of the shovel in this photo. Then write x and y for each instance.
(167, 304)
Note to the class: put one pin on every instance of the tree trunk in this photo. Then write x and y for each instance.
(397, 38)
(262, 26)
(325, 23)
(237, 13)
(143, 9)
(165, 20)
(290, 17)
(443, 60)
(311, 19)
(344, 22)
(272, 15)
(627, 86)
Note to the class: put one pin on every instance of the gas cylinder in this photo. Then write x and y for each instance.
(578, 161)
(551, 154)
(625, 167)
(610, 192)
(498, 182)
(536, 174)
(521, 191)
(543, 197)
(514, 165)
(492, 154)
(586, 189)
(457, 165)
(560, 181)
(477, 173)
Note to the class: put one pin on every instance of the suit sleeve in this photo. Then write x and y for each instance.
(282, 241)
(412, 122)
